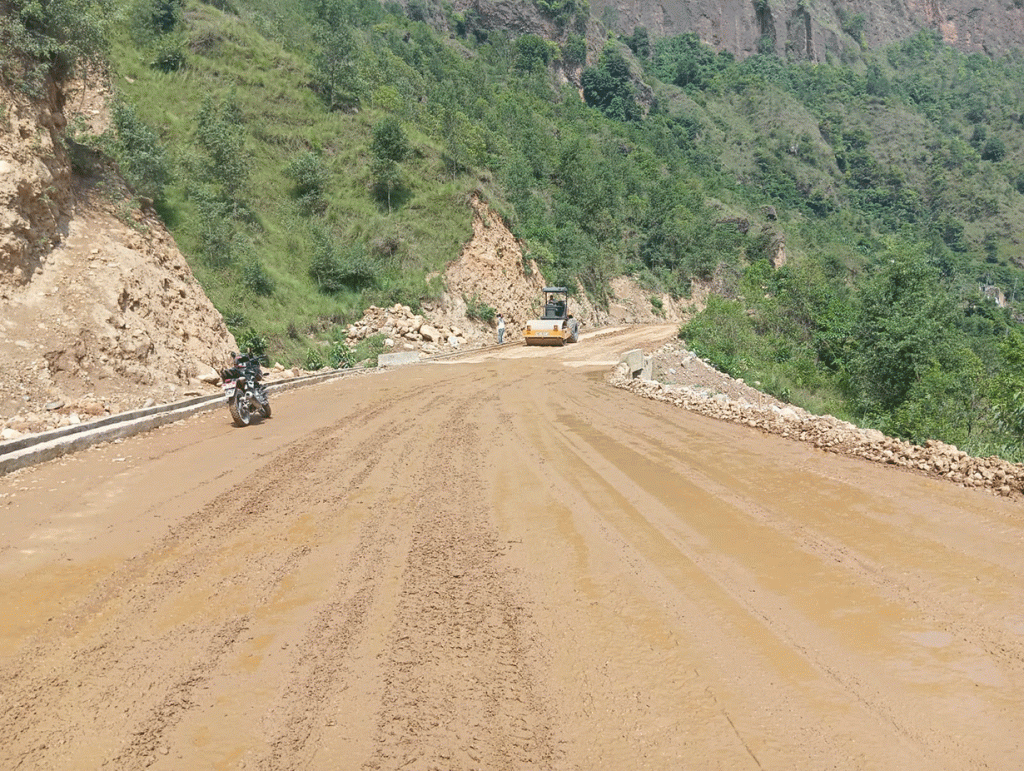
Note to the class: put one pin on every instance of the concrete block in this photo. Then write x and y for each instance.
(398, 359)
(634, 360)
(647, 371)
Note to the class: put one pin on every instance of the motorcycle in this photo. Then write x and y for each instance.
(243, 389)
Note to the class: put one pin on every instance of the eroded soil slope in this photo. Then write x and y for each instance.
(502, 564)
(99, 311)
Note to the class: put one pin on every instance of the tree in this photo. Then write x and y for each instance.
(639, 43)
(609, 86)
(1008, 387)
(994, 149)
(464, 145)
(903, 328)
(336, 75)
(390, 147)
(532, 53)
(220, 130)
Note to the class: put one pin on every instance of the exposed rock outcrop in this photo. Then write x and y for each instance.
(491, 270)
(811, 31)
(35, 185)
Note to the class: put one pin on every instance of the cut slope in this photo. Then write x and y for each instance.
(99, 311)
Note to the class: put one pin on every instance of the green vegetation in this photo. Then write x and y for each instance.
(389, 148)
(478, 310)
(316, 157)
(53, 39)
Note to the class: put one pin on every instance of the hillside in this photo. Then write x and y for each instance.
(101, 312)
(313, 160)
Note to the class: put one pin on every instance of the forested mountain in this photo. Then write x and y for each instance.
(857, 215)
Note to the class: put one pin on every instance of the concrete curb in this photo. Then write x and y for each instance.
(48, 445)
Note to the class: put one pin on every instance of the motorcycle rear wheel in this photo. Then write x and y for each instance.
(239, 409)
(265, 408)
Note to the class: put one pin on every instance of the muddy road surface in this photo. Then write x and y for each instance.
(502, 563)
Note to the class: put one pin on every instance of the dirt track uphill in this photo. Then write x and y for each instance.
(502, 563)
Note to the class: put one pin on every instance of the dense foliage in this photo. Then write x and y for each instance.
(315, 157)
(50, 39)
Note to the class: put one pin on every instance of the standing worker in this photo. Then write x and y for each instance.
(501, 329)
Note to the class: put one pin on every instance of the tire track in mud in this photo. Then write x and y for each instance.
(764, 607)
(142, 587)
(146, 736)
(460, 688)
(628, 695)
(512, 566)
(323, 661)
(910, 590)
(631, 525)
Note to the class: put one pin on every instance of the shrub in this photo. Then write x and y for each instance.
(478, 310)
(253, 343)
(723, 334)
(218, 232)
(151, 18)
(562, 10)
(335, 269)
(52, 38)
(256, 279)
(340, 355)
(369, 349)
(574, 51)
(142, 159)
(220, 131)
(170, 55)
(314, 360)
(310, 175)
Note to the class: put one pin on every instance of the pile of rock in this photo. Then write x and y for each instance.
(56, 414)
(407, 331)
(833, 435)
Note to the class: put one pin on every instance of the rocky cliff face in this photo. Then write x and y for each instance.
(798, 28)
(99, 311)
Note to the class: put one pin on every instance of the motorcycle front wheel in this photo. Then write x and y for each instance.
(239, 409)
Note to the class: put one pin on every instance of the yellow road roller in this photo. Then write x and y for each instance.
(556, 326)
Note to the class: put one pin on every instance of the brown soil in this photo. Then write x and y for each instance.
(99, 311)
(502, 563)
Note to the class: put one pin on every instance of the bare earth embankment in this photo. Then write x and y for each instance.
(503, 563)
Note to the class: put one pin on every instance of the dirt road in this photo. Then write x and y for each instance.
(502, 564)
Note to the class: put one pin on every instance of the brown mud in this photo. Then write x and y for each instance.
(502, 563)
